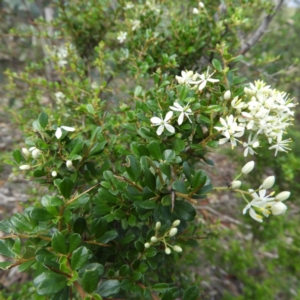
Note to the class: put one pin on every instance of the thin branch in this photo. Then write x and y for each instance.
(260, 30)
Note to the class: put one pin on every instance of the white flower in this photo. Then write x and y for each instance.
(53, 173)
(227, 95)
(173, 231)
(195, 11)
(62, 54)
(25, 152)
(248, 167)
(184, 111)
(122, 36)
(187, 77)
(153, 239)
(268, 183)
(176, 223)
(24, 167)
(204, 78)
(157, 225)
(177, 248)
(59, 97)
(69, 164)
(147, 245)
(128, 5)
(58, 132)
(278, 208)
(167, 250)
(36, 153)
(230, 130)
(281, 145)
(250, 145)
(235, 184)
(163, 123)
(135, 24)
(283, 196)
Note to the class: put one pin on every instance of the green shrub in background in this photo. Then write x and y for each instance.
(133, 97)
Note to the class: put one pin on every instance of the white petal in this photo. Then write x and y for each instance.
(170, 128)
(168, 116)
(58, 133)
(255, 216)
(67, 128)
(213, 80)
(156, 121)
(180, 118)
(202, 85)
(160, 130)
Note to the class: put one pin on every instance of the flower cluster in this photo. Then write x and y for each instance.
(172, 231)
(261, 204)
(263, 112)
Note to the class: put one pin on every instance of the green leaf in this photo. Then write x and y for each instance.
(59, 243)
(91, 277)
(191, 293)
(179, 145)
(185, 211)
(90, 108)
(180, 187)
(160, 287)
(79, 225)
(79, 257)
(18, 157)
(133, 168)
(6, 248)
(167, 295)
(168, 155)
(108, 288)
(5, 226)
(43, 119)
(5, 264)
(25, 265)
(107, 237)
(132, 220)
(21, 222)
(97, 148)
(138, 90)
(213, 144)
(66, 187)
(148, 204)
(17, 246)
(49, 283)
(40, 214)
(217, 65)
(187, 171)
(155, 151)
(74, 241)
(145, 133)
(199, 179)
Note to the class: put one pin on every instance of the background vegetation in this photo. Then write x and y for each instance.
(235, 257)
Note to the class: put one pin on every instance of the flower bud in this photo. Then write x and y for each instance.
(176, 223)
(24, 167)
(26, 152)
(147, 245)
(195, 11)
(201, 4)
(278, 208)
(168, 250)
(153, 239)
(157, 225)
(53, 173)
(177, 248)
(248, 167)
(69, 164)
(36, 153)
(227, 95)
(173, 231)
(236, 184)
(268, 182)
(282, 196)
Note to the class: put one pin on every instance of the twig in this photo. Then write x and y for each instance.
(260, 30)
